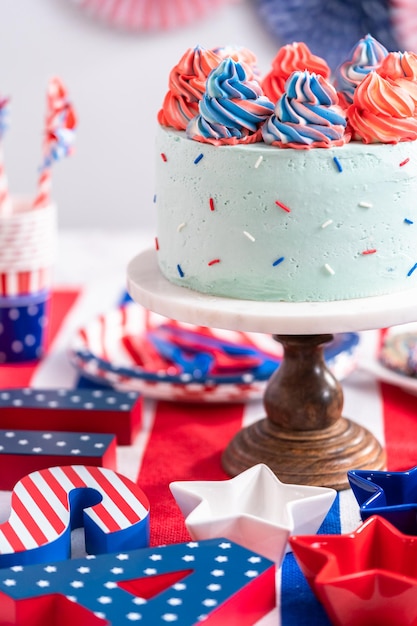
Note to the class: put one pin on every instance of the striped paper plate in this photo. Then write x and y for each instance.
(116, 349)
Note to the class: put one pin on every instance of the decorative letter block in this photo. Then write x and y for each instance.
(215, 582)
(47, 505)
(26, 451)
(93, 410)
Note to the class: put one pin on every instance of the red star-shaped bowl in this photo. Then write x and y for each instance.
(366, 578)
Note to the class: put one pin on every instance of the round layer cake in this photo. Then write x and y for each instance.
(251, 221)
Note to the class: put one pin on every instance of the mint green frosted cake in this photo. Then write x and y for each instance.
(287, 201)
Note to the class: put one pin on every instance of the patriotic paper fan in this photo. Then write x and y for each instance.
(148, 15)
(330, 28)
(404, 20)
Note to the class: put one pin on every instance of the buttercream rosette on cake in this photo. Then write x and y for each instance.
(330, 217)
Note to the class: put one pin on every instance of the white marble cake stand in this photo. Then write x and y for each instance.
(304, 438)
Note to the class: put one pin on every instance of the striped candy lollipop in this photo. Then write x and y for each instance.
(60, 126)
(5, 201)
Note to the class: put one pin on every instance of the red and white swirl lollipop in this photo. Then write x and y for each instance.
(60, 123)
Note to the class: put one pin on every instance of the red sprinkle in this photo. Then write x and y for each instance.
(282, 206)
(164, 157)
(214, 261)
(156, 243)
(211, 201)
(371, 251)
(404, 162)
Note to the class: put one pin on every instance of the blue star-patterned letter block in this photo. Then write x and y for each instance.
(184, 584)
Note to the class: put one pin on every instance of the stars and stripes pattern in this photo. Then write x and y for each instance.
(98, 410)
(44, 507)
(185, 584)
(184, 441)
(26, 451)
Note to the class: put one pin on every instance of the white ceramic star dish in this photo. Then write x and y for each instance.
(254, 509)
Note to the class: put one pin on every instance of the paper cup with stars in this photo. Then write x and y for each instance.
(23, 327)
(27, 252)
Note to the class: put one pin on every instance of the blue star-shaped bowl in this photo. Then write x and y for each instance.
(392, 495)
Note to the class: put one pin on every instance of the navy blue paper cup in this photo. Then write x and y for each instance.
(23, 326)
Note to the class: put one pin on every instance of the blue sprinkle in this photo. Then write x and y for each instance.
(407, 221)
(180, 272)
(197, 159)
(338, 164)
(412, 269)
(278, 261)
(154, 198)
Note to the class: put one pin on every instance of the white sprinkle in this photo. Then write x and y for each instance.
(329, 269)
(366, 205)
(326, 224)
(258, 162)
(248, 235)
(180, 227)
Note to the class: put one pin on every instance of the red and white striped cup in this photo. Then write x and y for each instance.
(28, 239)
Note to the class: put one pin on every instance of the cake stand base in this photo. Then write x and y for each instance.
(304, 439)
(320, 458)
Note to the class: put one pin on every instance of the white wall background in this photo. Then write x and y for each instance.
(117, 81)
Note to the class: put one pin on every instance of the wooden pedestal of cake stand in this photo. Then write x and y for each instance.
(304, 437)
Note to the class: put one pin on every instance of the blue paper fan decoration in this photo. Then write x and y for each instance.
(330, 28)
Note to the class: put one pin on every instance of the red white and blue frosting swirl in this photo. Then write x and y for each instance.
(232, 108)
(307, 114)
(366, 56)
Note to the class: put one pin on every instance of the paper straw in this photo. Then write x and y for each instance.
(60, 122)
(5, 200)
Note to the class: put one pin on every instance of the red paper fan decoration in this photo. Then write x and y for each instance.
(148, 15)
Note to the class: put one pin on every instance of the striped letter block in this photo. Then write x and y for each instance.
(26, 451)
(215, 582)
(48, 504)
(92, 410)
